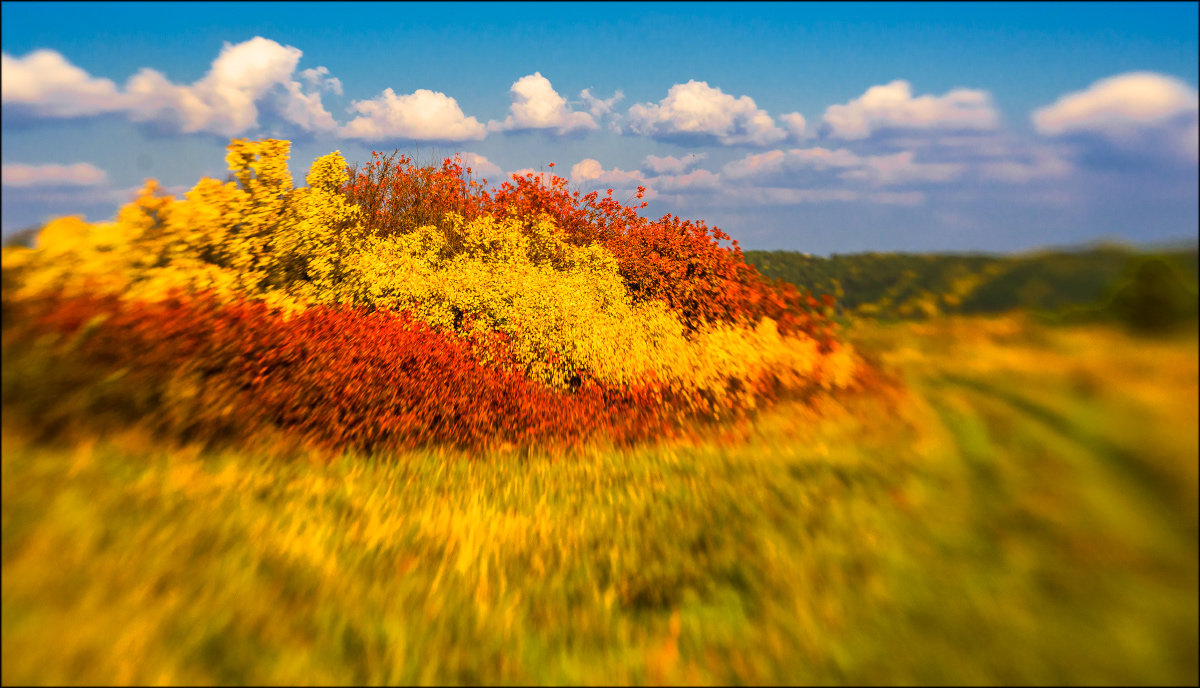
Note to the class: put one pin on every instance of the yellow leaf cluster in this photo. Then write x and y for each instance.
(565, 309)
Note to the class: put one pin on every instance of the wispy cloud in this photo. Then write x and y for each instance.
(669, 164)
(80, 174)
(600, 107)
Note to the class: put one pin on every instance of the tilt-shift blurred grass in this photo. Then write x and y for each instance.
(1019, 505)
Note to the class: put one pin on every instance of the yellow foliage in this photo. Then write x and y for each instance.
(565, 309)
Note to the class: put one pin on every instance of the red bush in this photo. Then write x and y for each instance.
(681, 263)
(339, 378)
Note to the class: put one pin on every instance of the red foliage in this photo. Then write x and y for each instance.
(338, 377)
(397, 196)
(681, 263)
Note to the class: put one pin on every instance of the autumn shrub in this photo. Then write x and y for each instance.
(566, 307)
(567, 315)
(681, 263)
(398, 196)
(334, 376)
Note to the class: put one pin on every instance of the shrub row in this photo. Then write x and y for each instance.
(335, 377)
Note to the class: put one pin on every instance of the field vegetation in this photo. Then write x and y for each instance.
(397, 426)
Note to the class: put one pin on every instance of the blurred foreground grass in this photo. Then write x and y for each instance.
(1023, 510)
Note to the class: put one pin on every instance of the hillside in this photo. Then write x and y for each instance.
(904, 285)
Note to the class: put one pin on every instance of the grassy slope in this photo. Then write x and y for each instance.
(1025, 512)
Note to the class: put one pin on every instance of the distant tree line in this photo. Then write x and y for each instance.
(1148, 290)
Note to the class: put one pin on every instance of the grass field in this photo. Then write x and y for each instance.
(1020, 507)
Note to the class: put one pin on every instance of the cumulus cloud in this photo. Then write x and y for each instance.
(892, 106)
(696, 109)
(45, 83)
(543, 178)
(423, 115)
(586, 169)
(1136, 118)
(226, 101)
(80, 174)
(589, 170)
(536, 105)
(670, 164)
(1117, 104)
(480, 166)
(796, 125)
(590, 174)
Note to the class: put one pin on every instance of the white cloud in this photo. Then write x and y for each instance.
(892, 106)
(80, 174)
(776, 196)
(1043, 165)
(306, 110)
(600, 107)
(796, 125)
(480, 166)
(900, 168)
(543, 178)
(878, 170)
(588, 168)
(421, 115)
(590, 171)
(1117, 105)
(536, 105)
(48, 85)
(823, 158)
(696, 180)
(697, 109)
(783, 196)
(908, 198)
(226, 101)
(759, 165)
(590, 174)
(319, 78)
(670, 164)
(239, 77)
(773, 163)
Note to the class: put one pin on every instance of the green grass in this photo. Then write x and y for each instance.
(1023, 511)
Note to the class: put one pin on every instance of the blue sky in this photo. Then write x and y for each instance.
(826, 128)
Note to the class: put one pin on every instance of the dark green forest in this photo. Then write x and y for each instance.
(1146, 289)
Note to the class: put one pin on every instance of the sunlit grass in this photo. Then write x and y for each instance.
(1024, 510)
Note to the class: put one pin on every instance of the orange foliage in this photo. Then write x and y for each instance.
(681, 263)
(336, 377)
(229, 313)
